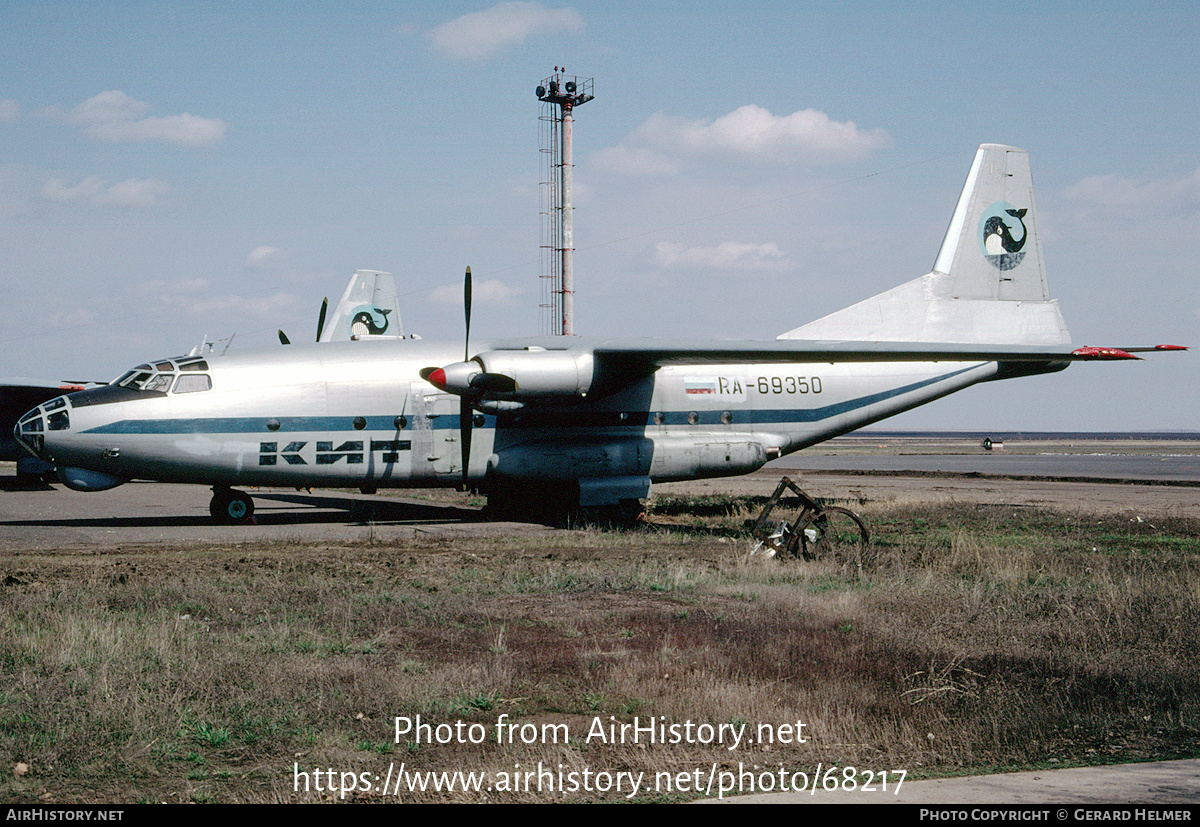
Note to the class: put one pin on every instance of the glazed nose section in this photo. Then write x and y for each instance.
(32, 428)
(30, 432)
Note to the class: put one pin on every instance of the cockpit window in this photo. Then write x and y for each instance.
(192, 382)
(162, 375)
(161, 383)
(135, 378)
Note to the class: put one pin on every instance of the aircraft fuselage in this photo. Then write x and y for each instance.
(357, 414)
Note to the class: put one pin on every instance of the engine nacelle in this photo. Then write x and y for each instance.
(541, 374)
(517, 375)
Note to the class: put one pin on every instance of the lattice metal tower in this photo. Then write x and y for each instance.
(559, 94)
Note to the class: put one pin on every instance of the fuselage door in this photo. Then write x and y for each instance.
(435, 451)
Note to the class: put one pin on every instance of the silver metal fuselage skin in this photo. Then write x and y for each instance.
(357, 414)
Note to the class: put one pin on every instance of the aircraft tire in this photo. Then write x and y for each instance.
(229, 507)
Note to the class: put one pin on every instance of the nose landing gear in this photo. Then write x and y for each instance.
(229, 507)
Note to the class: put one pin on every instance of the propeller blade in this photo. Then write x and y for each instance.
(321, 317)
(467, 315)
(465, 413)
(283, 339)
(463, 378)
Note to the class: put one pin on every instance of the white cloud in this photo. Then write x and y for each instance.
(749, 132)
(106, 107)
(9, 111)
(66, 319)
(728, 255)
(632, 160)
(115, 117)
(1110, 194)
(480, 34)
(135, 193)
(177, 286)
(752, 130)
(199, 298)
(264, 308)
(129, 193)
(266, 257)
(492, 291)
(185, 130)
(86, 190)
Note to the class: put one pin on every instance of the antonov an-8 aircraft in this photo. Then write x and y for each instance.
(554, 424)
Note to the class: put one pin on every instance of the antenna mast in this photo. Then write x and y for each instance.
(559, 95)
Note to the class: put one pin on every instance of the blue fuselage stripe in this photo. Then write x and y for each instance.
(261, 425)
(245, 425)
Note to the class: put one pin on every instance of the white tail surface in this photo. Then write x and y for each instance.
(987, 284)
(369, 307)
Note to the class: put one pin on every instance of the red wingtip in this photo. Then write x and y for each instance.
(1103, 353)
(1170, 347)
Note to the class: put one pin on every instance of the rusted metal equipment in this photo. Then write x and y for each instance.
(818, 532)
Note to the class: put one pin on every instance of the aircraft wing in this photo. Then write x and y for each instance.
(684, 352)
(558, 367)
(659, 352)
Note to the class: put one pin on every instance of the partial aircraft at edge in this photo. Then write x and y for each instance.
(552, 424)
(16, 395)
(369, 307)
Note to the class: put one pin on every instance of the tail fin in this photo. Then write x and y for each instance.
(369, 307)
(987, 284)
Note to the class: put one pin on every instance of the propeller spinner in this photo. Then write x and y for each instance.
(468, 379)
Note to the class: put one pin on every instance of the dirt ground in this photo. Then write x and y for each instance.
(1092, 497)
(149, 543)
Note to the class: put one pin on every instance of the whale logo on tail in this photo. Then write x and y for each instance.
(997, 226)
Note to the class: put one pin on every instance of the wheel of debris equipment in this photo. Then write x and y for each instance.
(229, 507)
(836, 533)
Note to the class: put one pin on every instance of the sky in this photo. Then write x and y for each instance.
(172, 172)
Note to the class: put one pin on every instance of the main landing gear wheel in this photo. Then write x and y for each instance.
(229, 507)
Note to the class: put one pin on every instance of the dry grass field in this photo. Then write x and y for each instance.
(985, 638)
